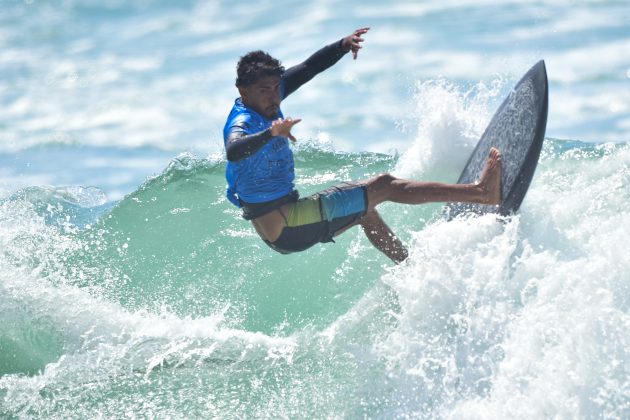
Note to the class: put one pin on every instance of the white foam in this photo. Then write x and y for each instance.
(524, 320)
(101, 339)
(450, 123)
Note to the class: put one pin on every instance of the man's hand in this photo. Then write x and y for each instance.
(352, 42)
(283, 128)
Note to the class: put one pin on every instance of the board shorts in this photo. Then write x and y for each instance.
(317, 218)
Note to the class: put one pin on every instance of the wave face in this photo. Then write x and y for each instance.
(167, 302)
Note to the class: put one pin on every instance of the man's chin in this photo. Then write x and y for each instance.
(272, 113)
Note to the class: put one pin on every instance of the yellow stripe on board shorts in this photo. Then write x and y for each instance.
(304, 212)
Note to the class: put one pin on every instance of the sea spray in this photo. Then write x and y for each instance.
(449, 124)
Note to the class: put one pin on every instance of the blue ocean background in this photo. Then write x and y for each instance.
(131, 288)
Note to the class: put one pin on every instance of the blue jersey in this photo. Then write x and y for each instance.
(267, 174)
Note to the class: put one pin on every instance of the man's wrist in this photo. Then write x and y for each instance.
(343, 48)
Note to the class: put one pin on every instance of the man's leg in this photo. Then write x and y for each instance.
(487, 191)
(381, 236)
(389, 188)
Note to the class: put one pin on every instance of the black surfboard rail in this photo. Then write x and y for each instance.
(517, 129)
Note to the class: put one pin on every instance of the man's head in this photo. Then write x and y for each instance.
(258, 82)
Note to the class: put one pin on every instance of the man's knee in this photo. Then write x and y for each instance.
(379, 188)
(369, 218)
(381, 181)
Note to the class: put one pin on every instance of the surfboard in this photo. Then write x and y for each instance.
(517, 129)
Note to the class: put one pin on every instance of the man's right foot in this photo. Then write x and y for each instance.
(490, 181)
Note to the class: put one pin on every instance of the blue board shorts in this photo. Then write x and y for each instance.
(319, 217)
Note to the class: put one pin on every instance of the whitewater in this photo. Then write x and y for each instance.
(131, 288)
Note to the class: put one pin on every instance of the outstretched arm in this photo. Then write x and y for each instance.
(296, 76)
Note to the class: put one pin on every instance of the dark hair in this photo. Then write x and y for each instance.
(254, 65)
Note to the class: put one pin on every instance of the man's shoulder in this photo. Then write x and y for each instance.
(243, 119)
(242, 114)
(239, 114)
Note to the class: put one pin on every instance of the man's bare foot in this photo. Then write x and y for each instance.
(491, 178)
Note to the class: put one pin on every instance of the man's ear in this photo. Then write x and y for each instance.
(242, 90)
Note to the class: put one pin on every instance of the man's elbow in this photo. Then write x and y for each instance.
(231, 156)
(234, 155)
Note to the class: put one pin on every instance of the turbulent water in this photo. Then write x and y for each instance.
(131, 288)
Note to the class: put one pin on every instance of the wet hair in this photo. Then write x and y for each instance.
(254, 65)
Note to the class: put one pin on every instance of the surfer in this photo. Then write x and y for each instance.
(260, 167)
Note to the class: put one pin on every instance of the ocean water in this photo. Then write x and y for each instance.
(131, 288)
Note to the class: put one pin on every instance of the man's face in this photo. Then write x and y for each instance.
(263, 96)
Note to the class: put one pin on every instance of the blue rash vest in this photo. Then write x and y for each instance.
(265, 175)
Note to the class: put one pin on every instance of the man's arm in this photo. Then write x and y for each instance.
(296, 76)
(241, 145)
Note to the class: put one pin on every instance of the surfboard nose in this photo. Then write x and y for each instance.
(517, 129)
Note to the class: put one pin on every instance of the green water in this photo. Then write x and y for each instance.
(176, 243)
(167, 304)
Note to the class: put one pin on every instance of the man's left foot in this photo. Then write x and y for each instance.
(490, 181)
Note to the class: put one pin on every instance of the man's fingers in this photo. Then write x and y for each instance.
(283, 126)
(355, 45)
(293, 122)
(355, 42)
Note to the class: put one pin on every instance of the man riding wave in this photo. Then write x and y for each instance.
(260, 167)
